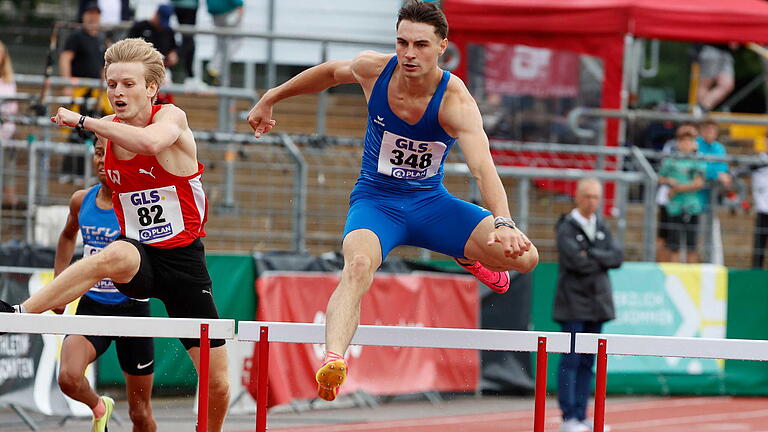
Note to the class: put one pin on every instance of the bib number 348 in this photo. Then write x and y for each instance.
(409, 159)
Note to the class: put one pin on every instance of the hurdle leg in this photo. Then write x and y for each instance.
(261, 389)
(541, 386)
(601, 381)
(202, 400)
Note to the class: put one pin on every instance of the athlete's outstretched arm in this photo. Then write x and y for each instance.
(164, 131)
(461, 118)
(65, 248)
(313, 80)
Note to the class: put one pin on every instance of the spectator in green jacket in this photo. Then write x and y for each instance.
(685, 178)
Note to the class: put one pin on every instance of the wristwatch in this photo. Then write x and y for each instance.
(81, 123)
(500, 221)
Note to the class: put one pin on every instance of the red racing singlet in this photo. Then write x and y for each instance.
(152, 205)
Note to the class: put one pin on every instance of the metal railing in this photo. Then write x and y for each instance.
(290, 192)
(226, 113)
(575, 115)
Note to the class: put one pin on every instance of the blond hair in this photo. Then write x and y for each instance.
(137, 50)
(6, 66)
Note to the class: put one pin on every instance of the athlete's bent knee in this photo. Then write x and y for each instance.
(119, 261)
(69, 381)
(529, 261)
(218, 389)
(360, 267)
(141, 417)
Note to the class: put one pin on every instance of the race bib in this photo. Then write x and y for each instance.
(408, 159)
(89, 250)
(152, 215)
(106, 284)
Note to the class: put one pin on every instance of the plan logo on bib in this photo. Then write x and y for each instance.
(409, 159)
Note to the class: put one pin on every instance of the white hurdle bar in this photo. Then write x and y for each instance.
(417, 337)
(668, 346)
(191, 328)
(659, 346)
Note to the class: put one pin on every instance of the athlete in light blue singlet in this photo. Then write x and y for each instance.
(416, 112)
(99, 227)
(91, 213)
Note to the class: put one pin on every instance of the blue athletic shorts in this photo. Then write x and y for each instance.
(433, 219)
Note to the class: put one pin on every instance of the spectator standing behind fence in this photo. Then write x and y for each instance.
(716, 75)
(760, 197)
(227, 14)
(685, 178)
(7, 128)
(584, 300)
(717, 173)
(663, 254)
(83, 53)
(83, 57)
(186, 14)
(113, 11)
(157, 31)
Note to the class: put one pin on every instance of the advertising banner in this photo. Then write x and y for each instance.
(29, 363)
(418, 299)
(669, 299)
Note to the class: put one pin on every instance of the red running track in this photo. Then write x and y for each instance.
(689, 414)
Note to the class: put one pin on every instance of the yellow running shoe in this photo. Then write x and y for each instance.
(331, 376)
(100, 424)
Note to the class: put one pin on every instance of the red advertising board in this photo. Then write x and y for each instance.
(416, 299)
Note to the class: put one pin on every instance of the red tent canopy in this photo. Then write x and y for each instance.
(598, 28)
(690, 20)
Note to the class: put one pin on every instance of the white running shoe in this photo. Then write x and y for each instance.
(573, 425)
(589, 423)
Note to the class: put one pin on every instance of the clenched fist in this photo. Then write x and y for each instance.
(65, 117)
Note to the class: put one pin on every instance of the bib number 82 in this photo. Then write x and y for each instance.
(413, 160)
(150, 215)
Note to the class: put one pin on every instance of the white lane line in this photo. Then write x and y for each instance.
(693, 419)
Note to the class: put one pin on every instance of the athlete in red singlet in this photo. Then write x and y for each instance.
(153, 205)
(152, 167)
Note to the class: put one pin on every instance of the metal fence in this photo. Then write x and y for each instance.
(290, 193)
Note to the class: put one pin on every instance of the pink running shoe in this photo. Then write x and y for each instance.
(497, 281)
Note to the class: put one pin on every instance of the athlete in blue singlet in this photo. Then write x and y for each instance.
(416, 112)
(91, 213)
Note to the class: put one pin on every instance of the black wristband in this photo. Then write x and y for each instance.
(81, 123)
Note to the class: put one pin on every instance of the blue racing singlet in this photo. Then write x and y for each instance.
(99, 228)
(398, 155)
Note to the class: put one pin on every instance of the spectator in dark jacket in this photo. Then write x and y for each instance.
(584, 300)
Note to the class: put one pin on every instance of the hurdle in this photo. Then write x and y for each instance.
(416, 337)
(204, 329)
(659, 346)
